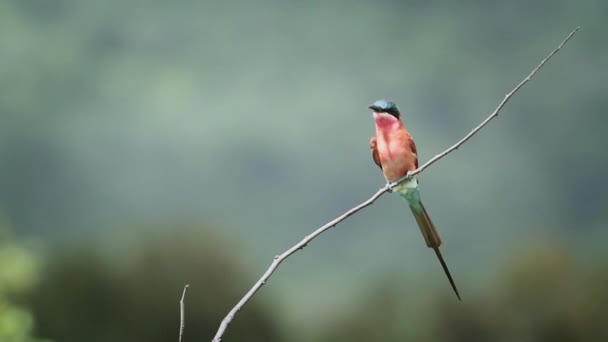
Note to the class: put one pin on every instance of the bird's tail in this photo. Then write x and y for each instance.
(431, 236)
(429, 232)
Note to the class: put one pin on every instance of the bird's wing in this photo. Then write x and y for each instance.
(414, 151)
(373, 146)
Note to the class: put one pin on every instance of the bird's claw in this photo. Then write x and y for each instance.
(391, 185)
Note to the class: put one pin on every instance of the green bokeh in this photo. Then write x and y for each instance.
(18, 275)
(248, 121)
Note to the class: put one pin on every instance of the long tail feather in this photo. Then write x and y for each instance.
(430, 234)
(447, 271)
(431, 237)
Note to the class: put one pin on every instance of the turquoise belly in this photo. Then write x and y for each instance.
(409, 191)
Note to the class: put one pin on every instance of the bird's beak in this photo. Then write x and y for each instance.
(374, 108)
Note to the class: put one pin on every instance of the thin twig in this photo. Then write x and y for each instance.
(492, 116)
(182, 313)
(278, 259)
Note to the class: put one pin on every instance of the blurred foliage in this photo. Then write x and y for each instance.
(116, 115)
(134, 295)
(18, 274)
(545, 294)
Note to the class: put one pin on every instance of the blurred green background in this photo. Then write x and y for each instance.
(149, 144)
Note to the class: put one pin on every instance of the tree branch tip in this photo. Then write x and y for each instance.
(182, 314)
(184, 292)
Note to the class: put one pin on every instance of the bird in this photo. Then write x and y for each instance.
(394, 151)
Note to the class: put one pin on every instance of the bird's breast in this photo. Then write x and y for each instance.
(395, 153)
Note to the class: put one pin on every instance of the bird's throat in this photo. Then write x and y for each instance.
(386, 122)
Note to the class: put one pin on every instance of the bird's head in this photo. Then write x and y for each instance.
(384, 106)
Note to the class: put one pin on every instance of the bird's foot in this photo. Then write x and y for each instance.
(389, 186)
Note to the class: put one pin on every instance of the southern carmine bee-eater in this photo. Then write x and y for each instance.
(394, 151)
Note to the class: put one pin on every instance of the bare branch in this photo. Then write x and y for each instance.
(278, 259)
(492, 116)
(182, 313)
